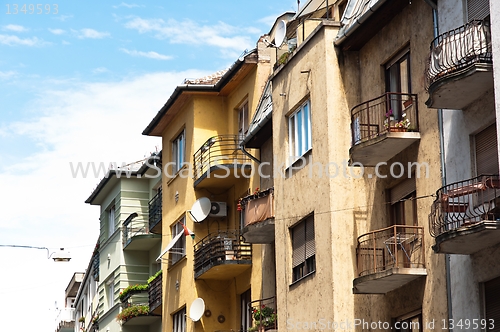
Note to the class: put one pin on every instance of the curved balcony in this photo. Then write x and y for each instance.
(389, 258)
(258, 217)
(465, 216)
(219, 163)
(383, 127)
(460, 66)
(136, 235)
(222, 255)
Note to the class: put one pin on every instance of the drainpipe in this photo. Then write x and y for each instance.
(443, 167)
(242, 148)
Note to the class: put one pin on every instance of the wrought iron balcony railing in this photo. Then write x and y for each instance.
(264, 313)
(95, 266)
(465, 203)
(133, 228)
(155, 293)
(155, 210)
(219, 150)
(224, 247)
(391, 112)
(457, 49)
(397, 246)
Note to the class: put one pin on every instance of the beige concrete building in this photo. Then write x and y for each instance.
(355, 161)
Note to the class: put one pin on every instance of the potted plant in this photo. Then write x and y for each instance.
(265, 317)
(389, 119)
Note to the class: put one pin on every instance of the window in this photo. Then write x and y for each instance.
(303, 248)
(179, 249)
(178, 148)
(243, 119)
(477, 9)
(410, 323)
(404, 204)
(491, 297)
(397, 76)
(179, 320)
(299, 131)
(111, 221)
(485, 150)
(246, 311)
(111, 293)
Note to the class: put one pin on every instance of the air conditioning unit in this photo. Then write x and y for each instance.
(218, 209)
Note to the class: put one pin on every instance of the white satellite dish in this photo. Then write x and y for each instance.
(197, 309)
(280, 34)
(200, 209)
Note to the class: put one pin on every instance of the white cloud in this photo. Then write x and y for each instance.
(220, 35)
(62, 18)
(123, 4)
(7, 74)
(15, 40)
(15, 28)
(90, 34)
(57, 31)
(150, 54)
(100, 70)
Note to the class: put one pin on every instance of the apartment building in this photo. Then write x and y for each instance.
(464, 218)
(85, 304)
(127, 297)
(355, 163)
(65, 320)
(202, 125)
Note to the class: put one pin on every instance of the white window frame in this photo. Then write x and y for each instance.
(243, 118)
(178, 251)
(179, 151)
(111, 292)
(111, 221)
(299, 131)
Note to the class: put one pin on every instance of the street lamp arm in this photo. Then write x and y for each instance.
(30, 247)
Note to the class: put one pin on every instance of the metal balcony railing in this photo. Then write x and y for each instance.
(465, 203)
(264, 313)
(219, 150)
(155, 293)
(459, 48)
(223, 247)
(391, 112)
(155, 209)
(397, 246)
(133, 228)
(257, 207)
(95, 266)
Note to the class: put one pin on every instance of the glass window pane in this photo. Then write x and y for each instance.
(300, 133)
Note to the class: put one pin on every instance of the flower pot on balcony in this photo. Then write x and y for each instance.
(398, 129)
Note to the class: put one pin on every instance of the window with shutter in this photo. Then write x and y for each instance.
(404, 204)
(492, 302)
(303, 248)
(486, 153)
(477, 9)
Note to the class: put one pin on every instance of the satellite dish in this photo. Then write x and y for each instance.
(197, 309)
(279, 37)
(200, 209)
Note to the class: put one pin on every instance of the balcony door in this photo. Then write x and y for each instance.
(397, 80)
(246, 311)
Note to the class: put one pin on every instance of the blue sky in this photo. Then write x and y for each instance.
(80, 85)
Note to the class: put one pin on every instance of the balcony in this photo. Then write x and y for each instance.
(155, 295)
(95, 266)
(135, 308)
(460, 66)
(465, 217)
(389, 258)
(222, 255)
(65, 321)
(220, 163)
(136, 235)
(264, 314)
(155, 213)
(383, 127)
(258, 216)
